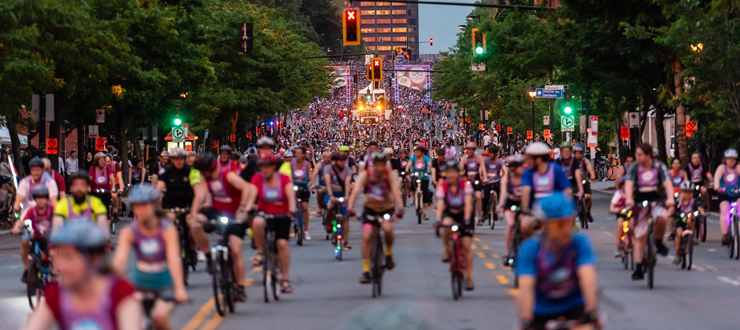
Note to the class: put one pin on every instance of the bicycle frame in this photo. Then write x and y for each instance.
(376, 254)
(39, 272)
(337, 229)
(223, 274)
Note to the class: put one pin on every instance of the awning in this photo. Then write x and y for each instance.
(189, 137)
(5, 136)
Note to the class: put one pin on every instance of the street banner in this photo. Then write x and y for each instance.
(546, 133)
(188, 148)
(529, 135)
(592, 139)
(690, 128)
(509, 130)
(498, 128)
(101, 116)
(413, 76)
(341, 75)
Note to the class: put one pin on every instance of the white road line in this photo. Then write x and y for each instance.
(712, 268)
(712, 250)
(699, 268)
(729, 281)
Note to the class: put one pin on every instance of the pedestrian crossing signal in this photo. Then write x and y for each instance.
(351, 27)
(376, 64)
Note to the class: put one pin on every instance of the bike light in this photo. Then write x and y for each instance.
(386, 216)
(341, 199)
(224, 220)
(675, 194)
(403, 173)
(683, 214)
(418, 181)
(295, 188)
(644, 203)
(454, 227)
(583, 181)
(697, 187)
(513, 208)
(696, 213)
(339, 226)
(476, 181)
(339, 236)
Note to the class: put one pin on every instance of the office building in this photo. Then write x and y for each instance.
(387, 26)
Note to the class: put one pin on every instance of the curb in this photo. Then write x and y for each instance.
(5, 233)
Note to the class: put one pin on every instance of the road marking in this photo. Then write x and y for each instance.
(502, 279)
(248, 281)
(472, 246)
(292, 234)
(514, 292)
(476, 239)
(712, 268)
(495, 256)
(256, 269)
(481, 255)
(198, 318)
(214, 322)
(485, 247)
(699, 268)
(712, 250)
(727, 280)
(490, 265)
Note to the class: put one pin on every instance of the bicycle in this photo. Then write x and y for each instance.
(298, 224)
(222, 268)
(271, 275)
(147, 301)
(734, 246)
(686, 245)
(39, 272)
(516, 240)
(377, 262)
(113, 218)
(700, 221)
(404, 188)
(581, 208)
(457, 260)
(492, 203)
(337, 233)
(188, 255)
(649, 257)
(626, 246)
(418, 196)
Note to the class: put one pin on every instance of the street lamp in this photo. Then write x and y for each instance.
(462, 27)
(532, 93)
(698, 47)
(473, 17)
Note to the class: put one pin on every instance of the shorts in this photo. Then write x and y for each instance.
(106, 198)
(459, 218)
(587, 188)
(576, 313)
(511, 202)
(727, 198)
(281, 227)
(476, 186)
(641, 227)
(679, 223)
(342, 207)
(371, 214)
(233, 228)
(302, 193)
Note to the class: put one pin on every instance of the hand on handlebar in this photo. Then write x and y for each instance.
(629, 202)
(181, 296)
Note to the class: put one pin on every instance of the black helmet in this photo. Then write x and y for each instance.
(515, 160)
(36, 162)
(235, 155)
(79, 175)
(379, 157)
(372, 143)
(206, 163)
(40, 191)
(225, 147)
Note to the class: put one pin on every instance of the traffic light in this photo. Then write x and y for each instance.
(479, 42)
(351, 27)
(431, 42)
(246, 40)
(567, 104)
(177, 121)
(369, 72)
(377, 68)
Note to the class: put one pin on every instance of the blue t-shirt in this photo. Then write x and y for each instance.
(412, 160)
(526, 264)
(561, 181)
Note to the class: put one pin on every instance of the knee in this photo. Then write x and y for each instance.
(282, 244)
(258, 223)
(160, 319)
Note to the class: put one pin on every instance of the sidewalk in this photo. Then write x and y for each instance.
(604, 187)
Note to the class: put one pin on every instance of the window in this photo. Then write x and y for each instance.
(399, 12)
(412, 21)
(367, 21)
(399, 21)
(369, 39)
(412, 39)
(367, 12)
(384, 30)
(399, 30)
(370, 47)
(399, 4)
(399, 39)
(367, 30)
(384, 21)
(384, 47)
(383, 4)
(384, 12)
(410, 13)
(367, 4)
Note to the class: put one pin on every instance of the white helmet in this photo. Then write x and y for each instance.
(730, 153)
(538, 149)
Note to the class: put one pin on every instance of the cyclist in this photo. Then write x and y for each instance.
(318, 174)
(80, 204)
(351, 162)
(571, 168)
(648, 180)
(225, 161)
(40, 216)
(372, 147)
(685, 206)
(450, 151)
(726, 178)
(301, 174)
(58, 179)
(557, 269)
(404, 161)
(158, 268)
(587, 174)
(697, 174)
(474, 168)
(617, 202)
(495, 170)
(178, 185)
(420, 164)
(382, 195)
(102, 177)
(338, 178)
(117, 185)
(677, 177)
(275, 196)
(438, 166)
(138, 172)
(86, 295)
(192, 156)
(161, 165)
(511, 196)
(455, 204)
(229, 197)
(37, 177)
(541, 178)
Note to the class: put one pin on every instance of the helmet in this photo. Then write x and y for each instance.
(36, 162)
(344, 148)
(379, 157)
(288, 154)
(177, 153)
(206, 163)
(225, 147)
(554, 207)
(79, 175)
(451, 164)
(471, 145)
(515, 160)
(266, 141)
(143, 194)
(388, 151)
(686, 186)
(163, 154)
(372, 143)
(243, 159)
(566, 145)
(80, 233)
(730, 153)
(420, 148)
(267, 159)
(538, 149)
(192, 153)
(40, 191)
(578, 147)
(485, 153)
(235, 155)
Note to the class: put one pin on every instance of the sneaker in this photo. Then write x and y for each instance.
(662, 249)
(240, 294)
(469, 285)
(590, 218)
(618, 254)
(306, 235)
(365, 278)
(677, 260)
(23, 277)
(201, 256)
(726, 240)
(672, 237)
(347, 246)
(638, 274)
(389, 264)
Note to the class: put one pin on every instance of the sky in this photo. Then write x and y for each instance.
(441, 24)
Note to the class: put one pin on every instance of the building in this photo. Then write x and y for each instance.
(431, 57)
(548, 3)
(387, 26)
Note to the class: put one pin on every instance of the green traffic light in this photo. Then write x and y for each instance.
(178, 122)
(567, 110)
(479, 50)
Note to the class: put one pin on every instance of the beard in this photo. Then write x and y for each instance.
(78, 198)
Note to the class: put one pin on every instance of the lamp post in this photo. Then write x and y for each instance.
(532, 93)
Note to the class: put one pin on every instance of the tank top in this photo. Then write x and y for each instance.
(493, 169)
(41, 222)
(136, 175)
(419, 166)
(100, 180)
(403, 164)
(300, 175)
(544, 184)
(695, 173)
(150, 249)
(272, 195)
(557, 276)
(568, 167)
(515, 190)
(677, 179)
(685, 208)
(87, 213)
(647, 183)
(377, 194)
(471, 168)
(729, 178)
(455, 203)
(225, 197)
(44, 180)
(99, 318)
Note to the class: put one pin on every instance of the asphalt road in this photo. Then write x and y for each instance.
(417, 293)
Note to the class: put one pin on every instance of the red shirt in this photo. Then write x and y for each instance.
(268, 203)
(120, 290)
(59, 180)
(96, 182)
(42, 219)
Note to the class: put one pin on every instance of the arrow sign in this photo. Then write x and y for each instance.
(566, 124)
(178, 133)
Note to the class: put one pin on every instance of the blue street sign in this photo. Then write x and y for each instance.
(549, 93)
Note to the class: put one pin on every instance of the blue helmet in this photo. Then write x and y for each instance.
(554, 207)
(143, 194)
(80, 233)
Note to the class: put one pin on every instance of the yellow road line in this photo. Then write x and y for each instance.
(514, 292)
(481, 255)
(485, 247)
(472, 246)
(490, 265)
(476, 239)
(200, 316)
(495, 256)
(257, 269)
(502, 279)
(248, 281)
(214, 322)
(292, 235)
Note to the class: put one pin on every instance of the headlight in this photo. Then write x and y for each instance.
(386, 216)
(295, 188)
(675, 194)
(644, 203)
(697, 187)
(683, 215)
(696, 213)
(341, 199)
(454, 227)
(513, 208)
(403, 173)
(476, 181)
(418, 181)
(339, 226)
(583, 181)
(27, 223)
(224, 220)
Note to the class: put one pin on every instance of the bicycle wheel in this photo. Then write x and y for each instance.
(34, 283)
(690, 252)
(376, 254)
(340, 243)
(454, 258)
(492, 212)
(704, 229)
(419, 206)
(736, 238)
(217, 283)
(267, 265)
(625, 256)
(404, 193)
(184, 255)
(226, 285)
(112, 228)
(299, 227)
(650, 256)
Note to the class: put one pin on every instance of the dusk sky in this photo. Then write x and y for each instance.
(440, 23)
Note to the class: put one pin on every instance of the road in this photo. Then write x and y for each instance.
(417, 294)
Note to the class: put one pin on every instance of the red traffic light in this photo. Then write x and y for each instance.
(351, 27)
(431, 42)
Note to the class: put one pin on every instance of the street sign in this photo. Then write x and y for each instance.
(101, 116)
(480, 127)
(624, 133)
(529, 135)
(51, 146)
(186, 126)
(498, 128)
(93, 131)
(549, 93)
(257, 130)
(545, 120)
(595, 124)
(232, 138)
(546, 133)
(249, 134)
(555, 87)
(478, 67)
(690, 128)
(215, 144)
(634, 119)
(567, 124)
(188, 148)
(178, 134)
(509, 130)
(592, 140)
(99, 144)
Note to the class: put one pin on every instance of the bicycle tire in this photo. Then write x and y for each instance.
(690, 252)
(226, 285)
(299, 226)
(216, 283)
(704, 229)
(184, 256)
(651, 258)
(267, 265)
(404, 193)
(736, 238)
(340, 248)
(377, 267)
(112, 228)
(454, 259)
(492, 211)
(625, 256)
(419, 206)
(33, 279)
